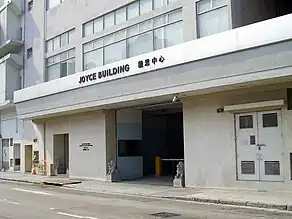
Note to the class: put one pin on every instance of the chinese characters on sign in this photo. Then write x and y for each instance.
(148, 62)
(85, 146)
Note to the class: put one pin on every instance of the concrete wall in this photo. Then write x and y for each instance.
(11, 127)
(42, 25)
(3, 26)
(9, 81)
(13, 25)
(82, 128)
(2, 82)
(12, 81)
(34, 31)
(209, 138)
(129, 127)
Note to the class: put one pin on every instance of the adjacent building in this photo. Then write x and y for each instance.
(205, 82)
(11, 79)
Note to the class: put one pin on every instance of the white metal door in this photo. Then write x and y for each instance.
(246, 134)
(270, 146)
(259, 146)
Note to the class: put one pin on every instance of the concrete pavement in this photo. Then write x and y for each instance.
(271, 200)
(27, 201)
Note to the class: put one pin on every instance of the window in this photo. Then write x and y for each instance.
(248, 167)
(64, 39)
(140, 44)
(145, 6)
(30, 5)
(53, 3)
(159, 3)
(246, 122)
(168, 36)
(93, 59)
(56, 43)
(133, 10)
(115, 52)
(29, 52)
(121, 15)
(109, 20)
(270, 120)
(272, 168)
(135, 40)
(88, 28)
(60, 41)
(5, 142)
(50, 46)
(98, 25)
(212, 17)
(61, 65)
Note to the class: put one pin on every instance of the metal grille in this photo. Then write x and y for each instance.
(247, 167)
(165, 215)
(272, 167)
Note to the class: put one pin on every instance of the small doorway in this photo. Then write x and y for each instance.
(28, 158)
(259, 146)
(16, 156)
(5, 153)
(61, 153)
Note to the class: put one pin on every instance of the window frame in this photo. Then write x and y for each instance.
(30, 5)
(29, 53)
(52, 40)
(212, 9)
(60, 60)
(125, 7)
(139, 32)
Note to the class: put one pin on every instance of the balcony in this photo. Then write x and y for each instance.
(10, 66)
(10, 27)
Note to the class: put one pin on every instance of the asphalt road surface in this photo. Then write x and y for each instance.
(19, 201)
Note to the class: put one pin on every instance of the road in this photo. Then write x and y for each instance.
(33, 202)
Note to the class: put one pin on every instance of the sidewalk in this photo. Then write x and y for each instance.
(270, 200)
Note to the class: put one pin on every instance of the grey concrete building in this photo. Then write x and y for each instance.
(11, 79)
(149, 83)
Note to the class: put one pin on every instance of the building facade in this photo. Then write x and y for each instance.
(204, 82)
(11, 79)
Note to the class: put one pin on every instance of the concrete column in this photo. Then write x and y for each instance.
(110, 132)
(189, 20)
(40, 130)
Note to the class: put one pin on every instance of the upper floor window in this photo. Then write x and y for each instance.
(59, 41)
(60, 65)
(123, 14)
(29, 53)
(157, 33)
(212, 17)
(30, 5)
(53, 3)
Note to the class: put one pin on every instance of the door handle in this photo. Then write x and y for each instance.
(260, 146)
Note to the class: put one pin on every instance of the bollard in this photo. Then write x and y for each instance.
(158, 166)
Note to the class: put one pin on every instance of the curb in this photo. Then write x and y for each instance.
(285, 207)
(19, 180)
(251, 204)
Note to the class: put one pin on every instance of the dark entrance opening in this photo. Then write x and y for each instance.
(150, 143)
